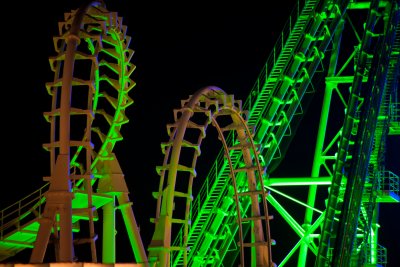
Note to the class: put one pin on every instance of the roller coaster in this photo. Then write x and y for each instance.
(341, 56)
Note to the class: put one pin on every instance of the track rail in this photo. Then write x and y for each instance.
(92, 68)
(209, 105)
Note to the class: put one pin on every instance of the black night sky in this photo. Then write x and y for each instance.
(179, 48)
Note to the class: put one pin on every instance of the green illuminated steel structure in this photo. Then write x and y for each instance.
(339, 57)
(346, 54)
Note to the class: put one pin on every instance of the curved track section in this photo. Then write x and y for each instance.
(91, 80)
(89, 97)
(101, 69)
(210, 105)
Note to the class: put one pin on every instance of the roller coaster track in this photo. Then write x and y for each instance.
(92, 40)
(275, 103)
(210, 106)
(319, 53)
(373, 99)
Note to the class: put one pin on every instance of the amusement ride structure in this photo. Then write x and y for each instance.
(341, 56)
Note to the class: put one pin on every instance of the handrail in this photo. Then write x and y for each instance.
(273, 56)
(15, 212)
(248, 105)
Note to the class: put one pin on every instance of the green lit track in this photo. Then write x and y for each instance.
(339, 59)
(99, 96)
(307, 55)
